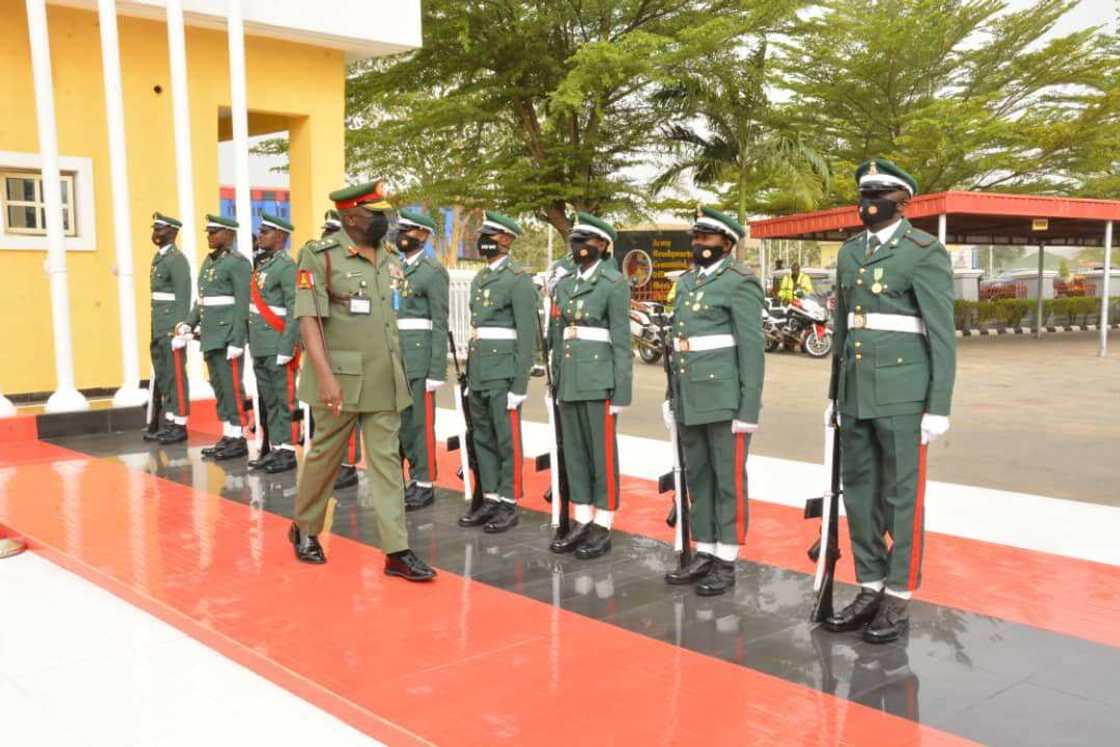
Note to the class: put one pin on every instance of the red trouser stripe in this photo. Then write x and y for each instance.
(430, 432)
(290, 377)
(238, 397)
(515, 426)
(608, 437)
(919, 510)
(352, 446)
(183, 403)
(740, 487)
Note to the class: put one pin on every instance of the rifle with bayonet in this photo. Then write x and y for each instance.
(560, 497)
(680, 517)
(826, 550)
(464, 442)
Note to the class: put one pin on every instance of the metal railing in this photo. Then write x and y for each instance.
(459, 303)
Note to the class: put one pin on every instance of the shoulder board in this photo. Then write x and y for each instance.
(920, 237)
(320, 245)
(240, 256)
(610, 272)
(741, 268)
(853, 239)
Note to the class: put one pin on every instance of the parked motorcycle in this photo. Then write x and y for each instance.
(648, 322)
(802, 323)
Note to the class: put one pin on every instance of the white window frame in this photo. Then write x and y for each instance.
(39, 203)
(83, 236)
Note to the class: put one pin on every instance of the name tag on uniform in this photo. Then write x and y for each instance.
(361, 305)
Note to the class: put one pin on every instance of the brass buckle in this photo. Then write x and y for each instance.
(474, 334)
(571, 332)
(859, 320)
(682, 344)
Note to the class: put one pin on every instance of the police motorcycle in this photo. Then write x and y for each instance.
(803, 323)
(648, 322)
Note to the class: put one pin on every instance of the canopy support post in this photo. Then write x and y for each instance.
(1038, 304)
(1104, 287)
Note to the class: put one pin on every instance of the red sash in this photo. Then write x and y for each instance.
(266, 313)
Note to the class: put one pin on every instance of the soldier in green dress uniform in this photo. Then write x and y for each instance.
(592, 363)
(221, 314)
(894, 362)
(500, 355)
(717, 361)
(274, 342)
(422, 321)
(171, 302)
(347, 286)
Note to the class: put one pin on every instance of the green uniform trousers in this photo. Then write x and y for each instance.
(315, 484)
(170, 371)
(716, 462)
(276, 388)
(225, 378)
(884, 492)
(591, 453)
(418, 433)
(497, 442)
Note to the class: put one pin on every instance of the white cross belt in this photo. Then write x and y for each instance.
(886, 322)
(703, 342)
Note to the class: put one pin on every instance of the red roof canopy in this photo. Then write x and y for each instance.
(971, 218)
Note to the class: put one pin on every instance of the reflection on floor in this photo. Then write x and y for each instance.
(516, 644)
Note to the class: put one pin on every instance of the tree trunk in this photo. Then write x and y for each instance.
(558, 217)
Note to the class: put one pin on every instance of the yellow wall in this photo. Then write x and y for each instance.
(301, 84)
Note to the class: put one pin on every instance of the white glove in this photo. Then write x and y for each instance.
(183, 329)
(283, 360)
(232, 351)
(828, 415)
(178, 342)
(616, 409)
(741, 426)
(933, 427)
(513, 401)
(430, 385)
(667, 415)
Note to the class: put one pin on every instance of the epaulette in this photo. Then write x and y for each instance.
(920, 237)
(742, 268)
(610, 272)
(321, 245)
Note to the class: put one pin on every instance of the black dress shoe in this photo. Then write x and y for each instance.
(891, 621)
(237, 447)
(421, 497)
(308, 549)
(284, 460)
(175, 434)
(570, 541)
(154, 435)
(480, 515)
(410, 489)
(409, 567)
(262, 461)
(504, 519)
(858, 613)
(696, 569)
(210, 451)
(347, 477)
(720, 579)
(596, 544)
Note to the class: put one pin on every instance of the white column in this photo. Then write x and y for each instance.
(1038, 301)
(130, 394)
(1104, 287)
(942, 228)
(184, 173)
(66, 397)
(240, 124)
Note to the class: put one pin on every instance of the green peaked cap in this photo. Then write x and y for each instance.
(416, 219)
(711, 219)
(268, 220)
(500, 222)
(880, 171)
(159, 219)
(596, 225)
(370, 195)
(220, 221)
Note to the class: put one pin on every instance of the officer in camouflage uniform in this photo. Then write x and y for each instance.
(717, 362)
(347, 286)
(171, 301)
(894, 361)
(422, 321)
(222, 316)
(592, 365)
(500, 355)
(274, 342)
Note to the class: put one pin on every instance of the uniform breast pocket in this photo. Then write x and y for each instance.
(495, 363)
(346, 365)
(901, 371)
(594, 367)
(714, 386)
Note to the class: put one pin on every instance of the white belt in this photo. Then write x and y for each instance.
(887, 322)
(703, 342)
(161, 296)
(409, 324)
(493, 333)
(277, 310)
(595, 334)
(218, 300)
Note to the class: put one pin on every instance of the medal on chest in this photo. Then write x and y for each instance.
(696, 298)
(877, 286)
(260, 280)
(486, 297)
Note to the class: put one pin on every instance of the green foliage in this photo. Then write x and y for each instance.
(1010, 312)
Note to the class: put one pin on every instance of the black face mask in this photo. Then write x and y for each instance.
(488, 247)
(408, 244)
(706, 255)
(376, 230)
(876, 210)
(582, 251)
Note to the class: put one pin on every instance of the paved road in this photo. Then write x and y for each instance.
(1036, 416)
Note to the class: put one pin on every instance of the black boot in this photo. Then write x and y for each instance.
(148, 435)
(284, 460)
(210, 451)
(480, 515)
(409, 567)
(237, 447)
(504, 519)
(696, 569)
(597, 543)
(175, 434)
(347, 477)
(308, 549)
(720, 579)
(263, 461)
(420, 497)
(570, 541)
(891, 621)
(858, 613)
